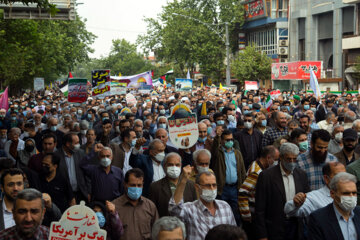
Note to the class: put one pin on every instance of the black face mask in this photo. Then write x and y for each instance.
(29, 148)
(45, 170)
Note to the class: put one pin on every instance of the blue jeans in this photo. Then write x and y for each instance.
(230, 195)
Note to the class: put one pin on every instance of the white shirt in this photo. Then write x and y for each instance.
(289, 184)
(314, 200)
(158, 172)
(200, 146)
(8, 217)
(127, 166)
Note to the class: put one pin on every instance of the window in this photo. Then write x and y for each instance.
(264, 40)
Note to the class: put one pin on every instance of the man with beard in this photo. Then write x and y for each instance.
(12, 182)
(313, 160)
(348, 155)
(29, 210)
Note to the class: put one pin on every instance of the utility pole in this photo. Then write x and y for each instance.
(227, 54)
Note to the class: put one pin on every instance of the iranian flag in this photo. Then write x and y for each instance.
(268, 103)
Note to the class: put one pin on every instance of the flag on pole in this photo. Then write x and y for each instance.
(188, 75)
(314, 83)
(4, 103)
(268, 103)
(202, 85)
(221, 87)
(203, 109)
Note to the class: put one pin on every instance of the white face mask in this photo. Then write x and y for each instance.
(248, 125)
(105, 162)
(83, 132)
(202, 169)
(339, 136)
(208, 195)
(173, 172)
(231, 118)
(77, 146)
(160, 156)
(348, 203)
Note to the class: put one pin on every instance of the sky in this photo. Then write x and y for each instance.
(116, 19)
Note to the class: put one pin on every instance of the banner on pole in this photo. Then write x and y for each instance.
(135, 81)
(39, 84)
(100, 81)
(77, 90)
(183, 127)
(183, 85)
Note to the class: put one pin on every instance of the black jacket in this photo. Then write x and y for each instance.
(270, 201)
(324, 225)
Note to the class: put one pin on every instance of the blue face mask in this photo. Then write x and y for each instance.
(89, 115)
(13, 118)
(306, 107)
(246, 112)
(229, 144)
(250, 106)
(202, 140)
(209, 130)
(220, 122)
(162, 125)
(134, 193)
(104, 118)
(288, 108)
(263, 123)
(133, 142)
(101, 219)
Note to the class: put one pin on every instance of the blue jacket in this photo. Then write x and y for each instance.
(323, 224)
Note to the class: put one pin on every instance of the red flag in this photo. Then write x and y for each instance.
(4, 103)
(152, 73)
(70, 75)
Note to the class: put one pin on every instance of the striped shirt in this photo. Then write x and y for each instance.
(197, 217)
(247, 190)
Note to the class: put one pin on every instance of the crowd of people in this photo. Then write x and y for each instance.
(285, 169)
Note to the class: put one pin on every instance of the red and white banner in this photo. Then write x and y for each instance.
(251, 85)
(295, 70)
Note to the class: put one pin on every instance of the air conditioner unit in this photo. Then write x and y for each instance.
(283, 43)
(283, 51)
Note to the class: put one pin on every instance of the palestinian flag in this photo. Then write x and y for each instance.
(268, 103)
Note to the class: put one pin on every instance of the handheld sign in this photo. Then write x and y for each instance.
(77, 222)
(183, 127)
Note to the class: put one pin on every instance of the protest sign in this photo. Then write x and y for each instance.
(117, 87)
(145, 89)
(183, 127)
(39, 84)
(77, 222)
(130, 99)
(275, 94)
(251, 85)
(77, 90)
(135, 81)
(183, 85)
(100, 81)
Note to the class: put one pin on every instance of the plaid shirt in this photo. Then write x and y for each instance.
(271, 134)
(198, 219)
(42, 233)
(313, 171)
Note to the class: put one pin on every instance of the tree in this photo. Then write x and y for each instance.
(40, 49)
(194, 40)
(251, 65)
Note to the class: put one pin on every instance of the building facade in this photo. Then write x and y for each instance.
(320, 30)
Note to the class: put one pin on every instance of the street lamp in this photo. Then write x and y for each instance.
(227, 44)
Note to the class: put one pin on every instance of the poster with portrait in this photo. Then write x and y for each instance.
(183, 126)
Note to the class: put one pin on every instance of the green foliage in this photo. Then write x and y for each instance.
(251, 65)
(198, 39)
(40, 49)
